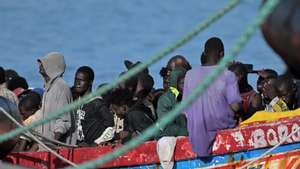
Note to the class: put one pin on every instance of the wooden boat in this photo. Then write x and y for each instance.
(232, 148)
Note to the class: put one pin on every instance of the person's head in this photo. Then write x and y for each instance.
(240, 71)
(165, 74)
(9, 74)
(263, 78)
(83, 81)
(176, 78)
(178, 61)
(120, 101)
(2, 75)
(6, 125)
(17, 82)
(213, 51)
(287, 89)
(29, 104)
(144, 86)
(52, 66)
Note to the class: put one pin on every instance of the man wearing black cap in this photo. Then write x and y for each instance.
(141, 115)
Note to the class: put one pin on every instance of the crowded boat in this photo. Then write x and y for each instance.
(123, 113)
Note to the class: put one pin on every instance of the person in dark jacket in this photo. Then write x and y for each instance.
(168, 101)
(142, 114)
(94, 117)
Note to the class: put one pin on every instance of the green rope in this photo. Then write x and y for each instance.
(264, 12)
(127, 75)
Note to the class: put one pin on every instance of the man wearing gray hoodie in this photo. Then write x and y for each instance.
(57, 95)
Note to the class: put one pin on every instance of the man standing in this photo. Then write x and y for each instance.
(93, 118)
(214, 109)
(57, 95)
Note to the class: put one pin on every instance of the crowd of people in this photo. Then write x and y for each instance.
(127, 110)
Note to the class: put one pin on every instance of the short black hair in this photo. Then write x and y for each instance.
(213, 45)
(30, 102)
(88, 71)
(17, 82)
(121, 97)
(186, 65)
(163, 72)
(272, 74)
(2, 75)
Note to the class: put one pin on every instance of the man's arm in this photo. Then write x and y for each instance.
(63, 123)
(233, 95)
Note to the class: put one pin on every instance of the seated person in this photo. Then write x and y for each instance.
(263, 78)
(282, 93)
(29, 104)
(6, 125)
(252, 101)
(136, 116)
(168, 101)
(120, 102)
(143, 94)
(94, 117)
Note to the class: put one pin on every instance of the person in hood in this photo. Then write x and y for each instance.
(94, 117)
(57, 95)
(168, 101)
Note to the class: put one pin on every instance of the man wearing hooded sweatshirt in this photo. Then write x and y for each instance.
(57, 95)
(178, 127)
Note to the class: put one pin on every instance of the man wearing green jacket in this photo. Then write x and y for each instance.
(167, 136)
(168, 101)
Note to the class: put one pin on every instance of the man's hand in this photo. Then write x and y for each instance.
(57, 136)
(124, 134)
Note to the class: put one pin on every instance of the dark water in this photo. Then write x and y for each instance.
(102, 33)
